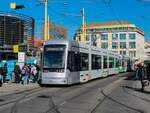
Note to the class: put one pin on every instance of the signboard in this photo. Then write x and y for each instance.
(23, 48)
(21, 57)
(15, 48)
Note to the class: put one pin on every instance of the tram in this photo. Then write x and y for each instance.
(67, 62)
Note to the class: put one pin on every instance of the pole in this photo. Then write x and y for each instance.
(83, 28)
(48, 29)
(45, 20)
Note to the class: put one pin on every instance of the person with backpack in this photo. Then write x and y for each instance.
(25, 74)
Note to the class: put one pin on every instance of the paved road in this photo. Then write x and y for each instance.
(108, 95)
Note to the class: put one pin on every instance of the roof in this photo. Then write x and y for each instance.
(147, 42)
(111, 23)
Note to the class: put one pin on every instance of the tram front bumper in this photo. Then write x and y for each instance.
(59, 81)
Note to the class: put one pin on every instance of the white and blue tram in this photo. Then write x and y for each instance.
(65, 62)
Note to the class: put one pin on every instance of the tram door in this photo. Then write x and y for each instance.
(105, 66)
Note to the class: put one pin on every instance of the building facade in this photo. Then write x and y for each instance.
(15, 29)
(121, 37)
(147, 50)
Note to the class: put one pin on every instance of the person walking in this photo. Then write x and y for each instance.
(25, 74)
(141, 75)
(1, 72)
(17, 72)
(38, 70)
(148, 71)
(34, 73)
(5, 71)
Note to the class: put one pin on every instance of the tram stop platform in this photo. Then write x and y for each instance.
(11, 88)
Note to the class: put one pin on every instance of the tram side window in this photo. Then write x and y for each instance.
(96, 62)
(123, 62)
(117, 62)
(73, 61)
(111, 62)
(120, 62)
(105, 62)
(84, 61)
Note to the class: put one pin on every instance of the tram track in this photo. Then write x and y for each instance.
(23, 97)
(85, 90)
(18, 92)
(20, 95)
(107, 96)
(79, 90)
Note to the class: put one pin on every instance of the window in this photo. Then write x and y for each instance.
(122, 45)
(111, 62)
(53, 57)
(132, 28)
(117, 62)
(87, 37)
(105, 62)
(114, 45)
(96, 62)
(115, 51)
(104, 45)
(73, 61)
(132, 53)
(122, 36)
(94, 39)
(104, 36)
(132, 45)
(114, 36)
(84, 60)
(123, 52)
(132, 36)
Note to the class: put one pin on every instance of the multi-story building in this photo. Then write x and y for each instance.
(147, 50)
(15, 29)
(121, 37)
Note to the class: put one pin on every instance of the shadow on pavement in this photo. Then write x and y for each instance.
(131, 77)
(134, 95)
(122, 104)
(136, 89)
(1, 100)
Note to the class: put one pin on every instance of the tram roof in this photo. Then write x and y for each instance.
(79, 45)
(58, 41)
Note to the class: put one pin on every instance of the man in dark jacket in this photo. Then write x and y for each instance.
(141, 75)
(148, 71)
(5, 71)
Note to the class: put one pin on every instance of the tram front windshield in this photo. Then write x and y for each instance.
(54, 57)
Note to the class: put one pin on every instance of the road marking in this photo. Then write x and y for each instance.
(63, 103)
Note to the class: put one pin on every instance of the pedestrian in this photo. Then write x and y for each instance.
(5, 71)
(148, 71)
(25, 74)
(141, 75)
(38, 70)
(17, 72)
(34, 73)
(1, 72)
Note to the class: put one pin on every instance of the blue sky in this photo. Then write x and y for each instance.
(65, 12)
